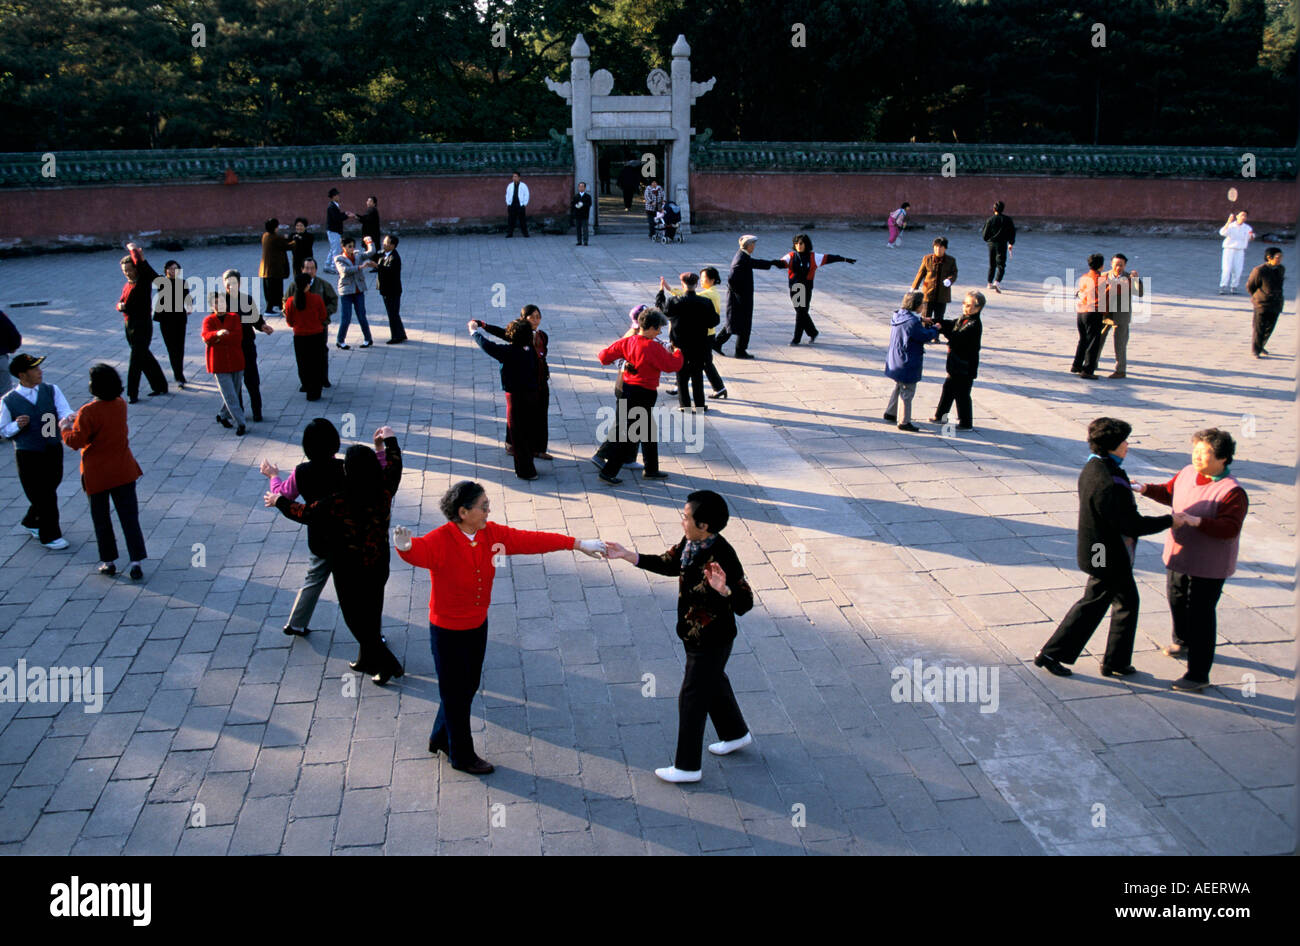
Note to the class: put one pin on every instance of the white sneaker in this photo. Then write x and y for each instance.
(731, 745)
(674, 774)
(57, 545)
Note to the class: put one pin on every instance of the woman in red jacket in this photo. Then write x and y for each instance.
(461, 558)
(223, 334)
(108, 470)
(305, 314)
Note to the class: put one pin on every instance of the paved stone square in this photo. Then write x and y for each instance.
(868, 549)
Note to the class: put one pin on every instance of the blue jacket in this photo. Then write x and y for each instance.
(907, 338)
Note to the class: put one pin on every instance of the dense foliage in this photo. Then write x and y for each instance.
(94, 74)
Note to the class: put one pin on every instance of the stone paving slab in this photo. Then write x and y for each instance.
(869, 549)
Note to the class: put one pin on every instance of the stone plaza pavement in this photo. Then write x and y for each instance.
(868, 549)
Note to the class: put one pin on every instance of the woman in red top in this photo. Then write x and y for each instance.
(643, 360)
(108, 470)
(223, 334)
(461, 558)
(305, 314)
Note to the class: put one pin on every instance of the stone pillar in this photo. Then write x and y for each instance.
(584, 164)
(680, 164)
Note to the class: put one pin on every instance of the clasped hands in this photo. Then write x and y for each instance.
(1180, 518)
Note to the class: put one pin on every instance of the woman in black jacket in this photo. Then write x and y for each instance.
(964, 338)
(541, 341)
(519, 380)
(801, 265)
(712, 590)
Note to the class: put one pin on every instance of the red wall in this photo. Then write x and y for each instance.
(733, 197)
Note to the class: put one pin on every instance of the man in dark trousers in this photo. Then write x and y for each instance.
(1265, 288)
(389, 273)
(369, 220)
(581, 212)
(29, 416)
(335, 216)
(629, 176)
(1109, 527)
(1000, 235)
(1088, 315)
(690, 316)
(516, 206)
(136, 306)
(740, 296)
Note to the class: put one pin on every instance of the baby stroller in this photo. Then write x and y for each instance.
(668, 224)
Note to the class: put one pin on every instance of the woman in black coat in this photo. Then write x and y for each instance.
(541, 341)
(964, 338)
(519, 380)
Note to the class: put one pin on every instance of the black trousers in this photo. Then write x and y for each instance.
(956, 390)
(802, 293)
(934, 309)
(541, 422)
(706, 692)
(516, 215)
(252, 380)
(458, 661)
(309, 353)
(710, 372)
(40, 472)
(1116, 592)
(627, 197)
(636, 406)
(273, 290)
(393, 306)
(521, 420)
(172, 328)
(361, 602)
(1192, 603)
(691, 376)
(1089, 347)
(128, 513)
(650, 219)
(583, 226)
(138, 336)
(1265, 322)
(997, 262)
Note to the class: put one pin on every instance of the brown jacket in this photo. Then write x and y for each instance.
(275, 257)
(934, 270)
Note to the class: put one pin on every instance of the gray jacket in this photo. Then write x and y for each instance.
(352, 278)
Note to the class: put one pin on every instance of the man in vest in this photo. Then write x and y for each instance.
(1089, 316)
(29, 416)
(1201, 549)
(516, 206)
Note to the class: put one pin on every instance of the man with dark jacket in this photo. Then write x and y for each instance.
(690, 316)
(136, 306)
(740, 296)
(629, 176)
(369, 220)
(1000, 235)
(1109, 527)
(581, 213)
(388, 271)
(1265, 288)
(965, 336)
(335, 216)
(934, 277)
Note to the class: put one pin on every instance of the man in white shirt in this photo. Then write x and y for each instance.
(1237, 235)
(516, 206)
(29, 416)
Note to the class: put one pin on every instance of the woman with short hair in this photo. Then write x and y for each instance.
(519, 381)
(461, 558)
(223, 334)
(305, 314)
(965, 336)
(801, 265)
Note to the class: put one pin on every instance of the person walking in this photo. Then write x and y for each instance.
(629, 178)
(353, 528)
(1237, 234)
(462, 556)
(251, 322)
(171, 309)
(905, 358)
(634, 424)
(1089, 298)
(541, 423)
(1120, 286)
(516, 206)
(1109, 528)
(581, 213)
(223, 335)
(108, 469)
(712, 592)
(136, 306)
(654, 202)
(369, 220)
(1201, 550)
(388, 273)
(1267, 297)
(274, 268)
(801, 266)
(29, 418)
(519, 378)
(1000, 236)
(740, 296)
(689, 318)
(965, 336)
(351, 268)
(335, 217)
(707, 288)
(325, 289)
(319, 477)
(935, 277)
(305, 315)
(897, 223)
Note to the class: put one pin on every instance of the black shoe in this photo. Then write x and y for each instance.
(529, 479)
(301, 389)
(394, 669)
(611, 480)
(936, 420)
(326, 384)
(671, 392)
(656, 475)
(313, 397)
(1088, 375)
(157, 393)
(136, 573)
(342, 345)
(742, 354)
(965, 426)
(1052, 665)
(794, 341)
(1185, 683)
(1118, 671)
(223, 422)
(476, 767)
(813, 337)
(241, 431)
(366, 344)
(257, 418)
(395, 341)
(108, 568)
(295, 632)
(132, 400)
(720, 394)
(892, 418)
(441, 746)
(598, 463)
(910, 428)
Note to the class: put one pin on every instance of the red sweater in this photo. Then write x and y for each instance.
(462, 570)
(311, 320)
(100, 434)
(645, 358)
(225, 354)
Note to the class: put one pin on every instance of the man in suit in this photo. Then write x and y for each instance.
(516, 206)
(740, 296)
(690, 316)
(1109, 527)
(389, 273)
(581, 212)
(369, 220)
(30, 416)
